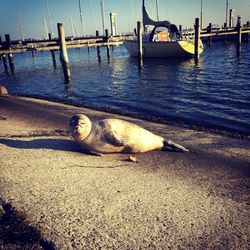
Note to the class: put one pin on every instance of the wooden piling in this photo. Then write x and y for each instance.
(1, 43)
(52, 53)
(225, 36)
(180, 28)
(135, 32)
(239, 27)
(98, 48)
(209, 38)
(10, 55)
(196, 39)
(247, 34)
(63, 52)
(5, 62)
(139, 43)
(107, 39)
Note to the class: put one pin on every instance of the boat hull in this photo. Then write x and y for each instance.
(182, 48)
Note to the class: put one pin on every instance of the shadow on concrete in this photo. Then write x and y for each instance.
(55, 144)
(16, 234)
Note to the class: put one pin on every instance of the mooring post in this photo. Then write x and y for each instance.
(5, 63)
(52, 53)
(239, 27)
(196, 39)
(98, 47)
(225, 27)
(139, 43)
(63, 52)
(107, 39)
(180, 28)
(247, 34)
(10, 55)
(1, 44)
(209, 38)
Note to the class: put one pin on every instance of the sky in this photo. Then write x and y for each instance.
(34, 14)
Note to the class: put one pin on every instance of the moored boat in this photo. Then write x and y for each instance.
(164, 40)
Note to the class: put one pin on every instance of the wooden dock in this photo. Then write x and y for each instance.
(12, 47)
(62, 43)
(219, 33)
(47, 45)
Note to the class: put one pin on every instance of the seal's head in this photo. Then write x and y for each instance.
(79, 126)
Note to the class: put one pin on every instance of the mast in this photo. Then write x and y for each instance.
(49, 17)
(91, 13)
(45, 28)
(201, 13)
(147, 20)
(102, 14)
(80, 10)
(157, 10)
(143, 10)
(226, 12)
(72, 26)
(133, 14)
(75, 29)
(21, 29)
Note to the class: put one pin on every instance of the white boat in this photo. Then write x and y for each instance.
(165, 40)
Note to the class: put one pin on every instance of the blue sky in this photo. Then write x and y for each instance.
(33, 13)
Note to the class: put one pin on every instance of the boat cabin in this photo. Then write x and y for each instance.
(164, 33)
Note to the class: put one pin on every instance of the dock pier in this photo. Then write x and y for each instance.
(63, 52)
(8, 48)
(196, 39)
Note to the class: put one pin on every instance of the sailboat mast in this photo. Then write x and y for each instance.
(227, 12)
(91, 13)
(76, 32)
(72, 26)
(201, 13)
(157, 10)
(80, 10)
(21, 26)
(45, 28)
(49, 17)
(102, 13)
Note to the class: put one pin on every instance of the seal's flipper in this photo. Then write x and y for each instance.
(170, 145)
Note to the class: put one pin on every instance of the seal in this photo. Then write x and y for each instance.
(116, 136)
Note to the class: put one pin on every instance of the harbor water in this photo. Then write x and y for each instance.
(213, 95)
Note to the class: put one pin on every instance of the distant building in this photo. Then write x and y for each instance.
(113, 24)
(231, 17)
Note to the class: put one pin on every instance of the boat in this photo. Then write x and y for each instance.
(164, 40)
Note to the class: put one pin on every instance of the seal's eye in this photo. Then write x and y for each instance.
(73, 122)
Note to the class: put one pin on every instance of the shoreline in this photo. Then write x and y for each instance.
(172, 122)
(196, 200)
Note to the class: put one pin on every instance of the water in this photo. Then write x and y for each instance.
(215, 94)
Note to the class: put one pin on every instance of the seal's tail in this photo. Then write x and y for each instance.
(170, 145)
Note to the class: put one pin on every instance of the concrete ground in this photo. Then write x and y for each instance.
(53, 196)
